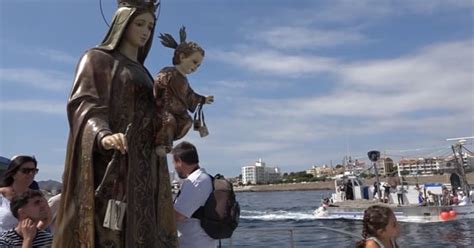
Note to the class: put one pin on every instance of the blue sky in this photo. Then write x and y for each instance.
(296, 82)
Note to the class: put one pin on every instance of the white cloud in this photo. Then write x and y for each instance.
(307, 38)
(366, 12)
(41, 79)
(275, 62)
(56, 55)
(35, 106)
(426, 92)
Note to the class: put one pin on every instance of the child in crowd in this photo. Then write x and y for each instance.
(174, 96)
(380, 228)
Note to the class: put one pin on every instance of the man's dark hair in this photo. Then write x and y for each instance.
(185, 152)
(20, 201)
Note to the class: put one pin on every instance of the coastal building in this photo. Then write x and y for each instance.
(385, 166)
(318, 171)
(433, 165)
(420, 166)
(259, 173)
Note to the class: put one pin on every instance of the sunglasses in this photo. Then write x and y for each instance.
(29, 170)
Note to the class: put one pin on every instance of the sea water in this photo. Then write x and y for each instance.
(285, 219)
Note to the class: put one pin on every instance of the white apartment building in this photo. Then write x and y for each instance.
(260, 173)
(420, 166)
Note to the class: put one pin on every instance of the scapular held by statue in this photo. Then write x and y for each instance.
(199, 123)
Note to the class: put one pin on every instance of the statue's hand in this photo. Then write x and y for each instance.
(209, 99)
(116, 141)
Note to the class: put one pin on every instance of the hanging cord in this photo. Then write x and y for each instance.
(102, 12)
(158, 10)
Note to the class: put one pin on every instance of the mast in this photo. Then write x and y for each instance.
(459, 161)
(374, 156)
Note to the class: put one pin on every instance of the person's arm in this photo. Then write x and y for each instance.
(179, 217)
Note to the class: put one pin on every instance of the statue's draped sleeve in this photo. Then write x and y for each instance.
(87, 111)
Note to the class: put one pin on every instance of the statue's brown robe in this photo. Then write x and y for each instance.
(109, 92)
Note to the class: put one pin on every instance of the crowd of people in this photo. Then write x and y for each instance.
(27, 218)
(25, 215)
(455, 196)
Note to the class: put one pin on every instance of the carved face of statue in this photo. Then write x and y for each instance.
(139, 30)
(190, 64)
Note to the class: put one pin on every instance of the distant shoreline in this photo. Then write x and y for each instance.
(329, 185)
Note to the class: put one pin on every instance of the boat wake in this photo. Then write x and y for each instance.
(277, 215)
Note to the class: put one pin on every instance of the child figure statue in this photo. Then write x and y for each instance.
(172, 91)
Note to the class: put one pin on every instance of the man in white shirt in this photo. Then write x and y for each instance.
(194, 192)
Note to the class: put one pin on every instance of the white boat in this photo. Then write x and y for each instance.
(409, 212)
(338, 207)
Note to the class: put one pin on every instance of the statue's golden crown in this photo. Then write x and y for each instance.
(146, 4)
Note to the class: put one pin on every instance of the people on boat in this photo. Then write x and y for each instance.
(400, 191)
(376, 189)
(386, 193)
(445, 196)
(417, 187)
(463, 199)
(433, 199)
(380, 228)
(421, 199)
(349, 191)
(343, 192)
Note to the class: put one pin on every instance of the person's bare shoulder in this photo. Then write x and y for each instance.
(6, 191)
(371, 244)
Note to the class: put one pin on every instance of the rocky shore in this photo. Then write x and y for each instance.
(329, 185)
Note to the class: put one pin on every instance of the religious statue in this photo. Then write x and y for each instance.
(173, 93)
(112, 118)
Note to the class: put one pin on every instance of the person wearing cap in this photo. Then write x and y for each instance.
(17, 179)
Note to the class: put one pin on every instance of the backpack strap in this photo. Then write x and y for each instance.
(199, 213)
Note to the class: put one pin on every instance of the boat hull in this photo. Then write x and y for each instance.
(418, 214)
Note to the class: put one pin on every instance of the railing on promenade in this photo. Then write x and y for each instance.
(283, 232)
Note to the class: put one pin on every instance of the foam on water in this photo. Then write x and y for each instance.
(276, 215)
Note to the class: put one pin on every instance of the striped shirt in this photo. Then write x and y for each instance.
(11, 238)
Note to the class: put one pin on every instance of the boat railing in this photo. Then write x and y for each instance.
(283, 233)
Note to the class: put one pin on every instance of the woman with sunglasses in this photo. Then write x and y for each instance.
(16, 180)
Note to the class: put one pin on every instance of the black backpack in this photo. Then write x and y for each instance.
(220, 214)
